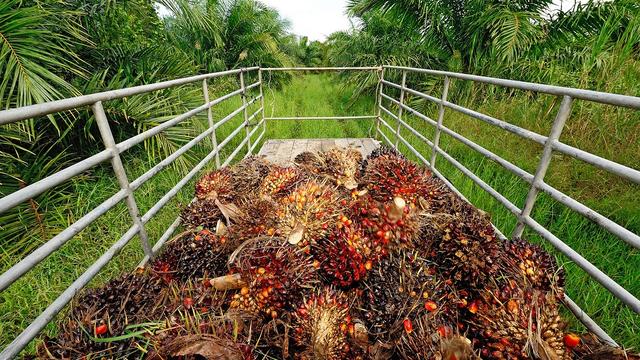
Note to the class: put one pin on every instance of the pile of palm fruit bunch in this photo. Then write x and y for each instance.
(332, 257)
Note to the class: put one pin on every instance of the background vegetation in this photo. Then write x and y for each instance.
(51, 50)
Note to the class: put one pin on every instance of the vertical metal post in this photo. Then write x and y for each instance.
(379, 103)
(543, 165)
(214, 140)
(404, 84)
(245, 112)
(264, 125)
(121, 175)
(436, 137)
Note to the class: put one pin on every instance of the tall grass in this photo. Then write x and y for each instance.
(323, 95)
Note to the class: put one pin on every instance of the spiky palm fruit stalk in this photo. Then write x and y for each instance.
(391, 225)
(532, 267)
(311, 162)
(513, 322)
(340, 166)
(217, 184)
(463, 243)
(106, 312)
(345, 255)
(248, 174)
(308, 213)
(194, 255)
(389, 175)
(275, 274)
(280, 181)
(321, 326)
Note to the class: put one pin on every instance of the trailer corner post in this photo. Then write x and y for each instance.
(214, 140)
(436, 136)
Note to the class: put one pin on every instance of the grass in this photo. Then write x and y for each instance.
(322, 95)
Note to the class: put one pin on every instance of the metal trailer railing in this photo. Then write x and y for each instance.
(113, 150)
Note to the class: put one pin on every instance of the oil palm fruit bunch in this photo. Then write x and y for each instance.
(341, 166)
(197, 254)
(106, 312)
(321, 326)
(258, 217)
(280, 181)
(248, 174)
(392, 224)
(532, 266)
(345, 255)
(403, 288)
(273, 276)
(463, 244)
(201, 213)
(217, 184)
(509, 321)
(429, 337)
(307, 214)
(388, 175)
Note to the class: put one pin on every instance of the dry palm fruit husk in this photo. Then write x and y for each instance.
(388, 174)
(322, 325)
(391, 224)
(591, 347)
(106, 312)
(194, 255)
(463, 243)
(280, 181)
(508, 321)
(275, 274)
(340, 166)
(308, 213)
(532, 266)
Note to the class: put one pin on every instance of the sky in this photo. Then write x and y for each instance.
(316, 19)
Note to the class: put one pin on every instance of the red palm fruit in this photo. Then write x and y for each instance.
(101, 329)
(216, 185)
(280, 181)
(321, 326)
(276, 274)
(344, 255)
(463, 243)
(533, 267)
(513, 322)
(408, 326)
(389, 175)
(390, 225)
(571, 340)
(304, 213)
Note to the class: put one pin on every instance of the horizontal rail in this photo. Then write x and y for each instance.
(40, 186)
(323, 117)
(42, 252)
(322, 68)
(590, 95)
(27, 112)
(608, 283)
(63, 299)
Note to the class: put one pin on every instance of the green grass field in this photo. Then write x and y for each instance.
(597, 129)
